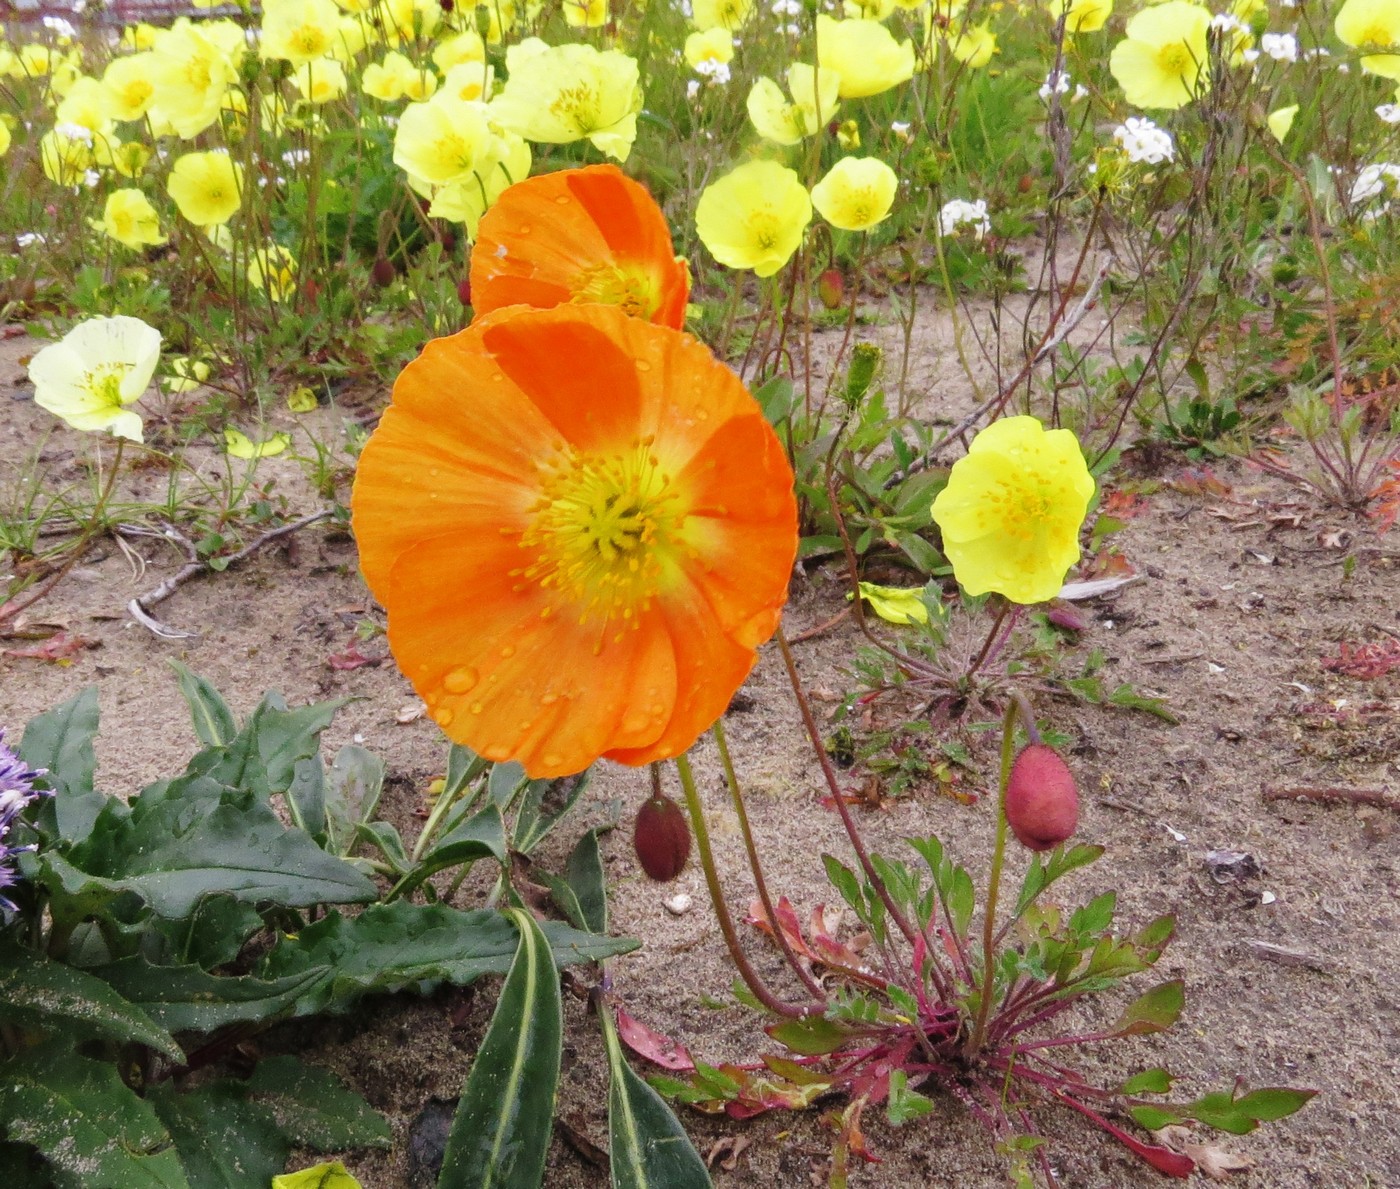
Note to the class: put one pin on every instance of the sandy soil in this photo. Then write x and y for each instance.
(1242, 596)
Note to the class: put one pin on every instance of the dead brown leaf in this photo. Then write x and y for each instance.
(727, 1151)
(1216, 1162)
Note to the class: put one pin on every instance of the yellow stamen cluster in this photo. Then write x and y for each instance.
(609, 284)
(600, 532)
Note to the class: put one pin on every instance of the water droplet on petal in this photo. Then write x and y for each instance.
(476, 707)
(643, 365)
(508, 651)
(443, 716)
(552, 759)
(459, 681)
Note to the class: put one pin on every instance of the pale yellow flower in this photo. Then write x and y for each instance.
(190, 71)
(1280, 122)
(466, 201)
(89, 105)
(444, 140)
(469, 81)
(130, 219)
(1372, 25)
(65, 154)
(973, 45)
(207, 187)
(273, 270)
(585, 14)
(237, 444)
(754, 217)
(864, 54)
(1164, 59)
(709, 45)
(320, 81)
(98, 369)
(856, 194)
(463, 47)
(130, 86)
(720, 14)
(1081, 16)
(573, 92)
(814, 104)
(299, 31)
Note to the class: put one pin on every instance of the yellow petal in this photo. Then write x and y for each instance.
(896, 604)
(239, 445)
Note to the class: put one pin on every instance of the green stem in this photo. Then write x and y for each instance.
(726, 922)
(737, 796)
(984, 1006)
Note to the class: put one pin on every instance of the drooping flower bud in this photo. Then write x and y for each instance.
(383, 271)
(661, 838)
(1042, 804)
(831, 288)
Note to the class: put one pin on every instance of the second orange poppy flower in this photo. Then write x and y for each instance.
(577, 236)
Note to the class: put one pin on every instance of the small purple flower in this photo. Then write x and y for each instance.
(17, 791)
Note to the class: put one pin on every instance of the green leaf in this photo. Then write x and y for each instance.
(212, 935)
(482, 836)
(214, 723)
(190, 999)
(543, 807)
(811, 1037)
(1093, 918)
(904, 1103)
(1239, 1116)
(38, 993)
(174, 852)
(1149, 1081)
(585, 876)
(60, 741)
(1045, 870)
(1129, 699)
(353, 788)
(314, 1108)
(390, 844)
(390, 946)
(1154, 1011)
(500, 1134)
(224, 1141)
(844, 880)
(287, 736)
(1273, 1103)
(1153, 1118)
(463, 766)
(306, 798)
(648, 1146)
(318, 1176)
(92, 1127)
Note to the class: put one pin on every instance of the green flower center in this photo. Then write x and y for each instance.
(104, 382)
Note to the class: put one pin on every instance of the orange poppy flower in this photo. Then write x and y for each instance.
(579, 235)
(582, 527)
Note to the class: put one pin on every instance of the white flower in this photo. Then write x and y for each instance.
(1281, 47)
(63, 29)
(75, 132)
(1080, 92)
(1370, 182)
(713, 70)
(692, 88)
(95, 371)
(27, 239)
(787, 8)
(1056, 83)
(297, 156)
(1225, 22)
(959, 212)
(1144, 142)
(1389, 112)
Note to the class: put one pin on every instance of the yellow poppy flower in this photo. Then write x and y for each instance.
(1281, 122)
(573, 92)
(709, 45)
(130, 219)
(586, 14)
(754, 217)
(1372, 25)
(98, 369)
(864, 55)
(464, 47)
(1081, 16)
(89, 105)
(190, 72)
(129, 85)
(320, 81)
(1164, 59)
(1011, 512)
(299, 31)
(814, 104)
(856, 194)
(239, 445)
(207, 187)
(720, 14)
(444, 140)
(468, 81)
(973, 45)
(273, 270)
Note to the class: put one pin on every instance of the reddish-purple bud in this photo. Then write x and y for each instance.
(464, 291)
(661, 838)
(383, 271)
(1042, 804)
(831, 288)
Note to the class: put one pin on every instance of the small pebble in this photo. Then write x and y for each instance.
(679, 904)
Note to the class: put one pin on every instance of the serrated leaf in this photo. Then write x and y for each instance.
(175, 852)
(91, 1127)
(1153, 1011)
(500, 1134)
(314, 1108)
(389, 946)
(905, 1104)
(224, 1141)
(189, 999)
(60, 742)
(214, 724)
(49, 996)
(649, 1148)
(1149, 1081)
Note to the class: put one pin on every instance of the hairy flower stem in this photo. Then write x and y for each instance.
(838, 798)
(779, 933)
(726, 922)
(984, 1005)
(10, 610)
